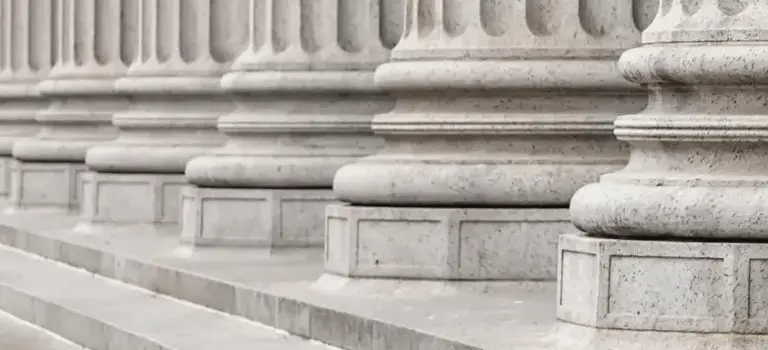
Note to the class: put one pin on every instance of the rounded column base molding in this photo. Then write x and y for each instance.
(443, 243)
(77, 83)
(388, 179)
(244, 171)
(112, 157)
(695, 64)
(497, 74)
(17, 120)
(37, 150)
(703, 287)
(627, 210)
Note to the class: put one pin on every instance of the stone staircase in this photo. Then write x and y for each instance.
(131, 288)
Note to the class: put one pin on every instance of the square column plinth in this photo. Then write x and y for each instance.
(663, 285)
(254, 217)
(444, 243)
(5, 175)
(37, 185)
(140, 199)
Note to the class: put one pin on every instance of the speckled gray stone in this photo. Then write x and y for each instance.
(253, 217)
(149, 199)
(443, 243)
(305, 96)
(699, 158)
(56, 186)
(663, 285)
(26, 58)
(503, 108)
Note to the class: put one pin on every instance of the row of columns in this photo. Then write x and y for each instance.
(419, 139)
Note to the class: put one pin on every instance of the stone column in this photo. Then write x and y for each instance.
(306, 96)
(504, 109)
(689, 213)
(184, 46)
(93, 45)
(25, 58)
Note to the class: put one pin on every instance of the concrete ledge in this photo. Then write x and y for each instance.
(254, 217)
(152, 199)
(663, 285)
(444, 243)
(45, 186)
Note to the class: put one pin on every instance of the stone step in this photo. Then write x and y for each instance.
(272, 288)
(280, 289)
(16, 334)
(103, 314)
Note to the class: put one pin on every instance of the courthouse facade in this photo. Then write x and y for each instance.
(616, 147)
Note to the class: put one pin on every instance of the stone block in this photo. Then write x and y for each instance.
(152, 199)
(444, 243)
(5, 175)
(663, 285)
(254, 217)
(37, 185)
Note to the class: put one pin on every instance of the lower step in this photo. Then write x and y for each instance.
(102, 314)
(16, 334)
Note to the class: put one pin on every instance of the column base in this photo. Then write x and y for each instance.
(444, 243)
(131, 199)
(627, 284)
(37, 185)
(254, 217)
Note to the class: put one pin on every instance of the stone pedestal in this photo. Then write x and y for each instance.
(260, 218)
(305, 98)
(664, 285)
(47, 186)
(25, 59)
(129, 199)
(443, 243)
(688, 213)
(503, 111)
(177, 97)
(94, 44)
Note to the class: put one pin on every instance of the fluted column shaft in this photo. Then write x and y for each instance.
(26, 35)
(305, 98)
(694, 189)
(504, 109)
(94, 45)
(184, 46)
